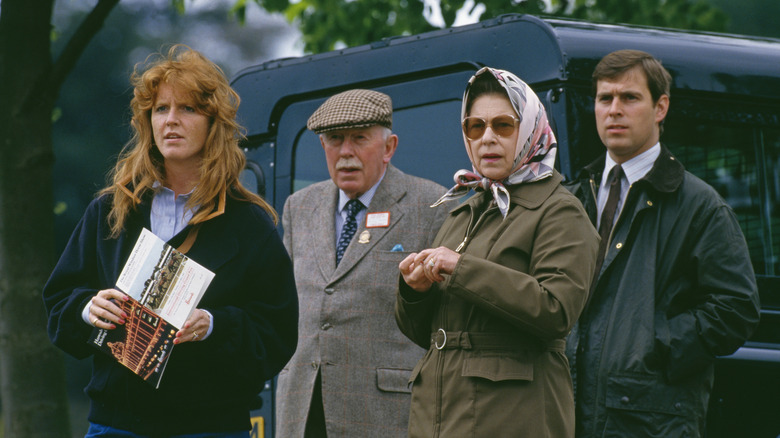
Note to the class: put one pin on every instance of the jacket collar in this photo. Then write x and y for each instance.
(665, 176)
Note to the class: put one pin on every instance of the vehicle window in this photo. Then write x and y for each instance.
(309, 161)
(430, 143)
(743, 164)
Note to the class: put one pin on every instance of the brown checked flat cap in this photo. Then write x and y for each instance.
(352, 109)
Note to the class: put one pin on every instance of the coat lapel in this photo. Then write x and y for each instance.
(323, 225)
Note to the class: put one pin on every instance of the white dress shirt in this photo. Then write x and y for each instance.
(633, 170)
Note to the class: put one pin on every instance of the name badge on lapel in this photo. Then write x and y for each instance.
(378, 220)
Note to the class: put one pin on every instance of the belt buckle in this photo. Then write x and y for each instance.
(436, 342)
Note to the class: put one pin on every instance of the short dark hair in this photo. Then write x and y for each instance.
(617, 63)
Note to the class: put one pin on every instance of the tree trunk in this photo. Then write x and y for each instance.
(32, 371)
(32, 376)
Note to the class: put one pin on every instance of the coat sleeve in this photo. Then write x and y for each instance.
(721, 309)
(73, 282)
(414, 310)
(547, 299)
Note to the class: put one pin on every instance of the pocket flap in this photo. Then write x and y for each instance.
(497, 366)
(393, 380)
(647, 393)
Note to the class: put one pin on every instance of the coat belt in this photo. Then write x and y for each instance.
(444, 340)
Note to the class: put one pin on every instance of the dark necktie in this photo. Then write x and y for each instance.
(349, 228)
(608, 215)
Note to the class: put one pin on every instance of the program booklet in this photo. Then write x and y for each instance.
(164, 287)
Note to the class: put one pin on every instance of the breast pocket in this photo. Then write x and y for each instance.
(390, 256)
(385, 267)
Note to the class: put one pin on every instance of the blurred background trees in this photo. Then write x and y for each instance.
(329, 24)
(64, 96)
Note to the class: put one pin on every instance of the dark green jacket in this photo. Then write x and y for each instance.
(518, 287)
(676, 290)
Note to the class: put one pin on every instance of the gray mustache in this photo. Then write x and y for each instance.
(349, 163)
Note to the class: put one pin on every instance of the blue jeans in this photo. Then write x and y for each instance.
(99, 430)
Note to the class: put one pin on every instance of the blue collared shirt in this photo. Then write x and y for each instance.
(633, 170)
(169, 212)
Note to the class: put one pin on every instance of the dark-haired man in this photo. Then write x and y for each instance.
(674, 286)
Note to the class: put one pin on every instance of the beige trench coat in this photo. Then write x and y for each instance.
(495, 329)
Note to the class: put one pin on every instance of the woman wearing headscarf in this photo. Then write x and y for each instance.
(179, 178)
(506, 279)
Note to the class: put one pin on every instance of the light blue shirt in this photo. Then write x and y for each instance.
(341, 212)
(169, 213)
(633, 170)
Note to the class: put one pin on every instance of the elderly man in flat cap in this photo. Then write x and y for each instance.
(346, 236)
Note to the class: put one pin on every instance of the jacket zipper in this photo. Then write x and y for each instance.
(604, 334)
(470, 230)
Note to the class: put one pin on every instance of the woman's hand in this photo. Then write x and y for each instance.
(421, 270)
(195, 328)
(104, 312)
(437, 261)
(413, 274)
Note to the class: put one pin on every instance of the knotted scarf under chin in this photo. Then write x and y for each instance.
(466, 180)
(535, 150)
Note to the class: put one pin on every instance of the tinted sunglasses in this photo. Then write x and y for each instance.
(503, 126)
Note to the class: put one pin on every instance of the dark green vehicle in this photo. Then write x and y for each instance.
(723, 124)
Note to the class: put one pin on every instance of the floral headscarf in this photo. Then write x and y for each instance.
(534, 152)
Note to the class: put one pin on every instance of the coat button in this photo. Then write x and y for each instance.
(314, 365)
(329, 290)
(326, 326)
(678, 406)
(619, 245)
(624, 400)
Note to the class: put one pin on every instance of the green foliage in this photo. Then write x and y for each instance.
(239, 10)
(680, 14)
(178, 6)
(326, 23)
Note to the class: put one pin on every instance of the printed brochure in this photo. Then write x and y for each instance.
(164, 287)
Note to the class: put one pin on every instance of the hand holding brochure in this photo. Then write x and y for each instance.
(164, 287)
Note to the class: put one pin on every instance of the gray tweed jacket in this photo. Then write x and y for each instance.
(347, 329)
